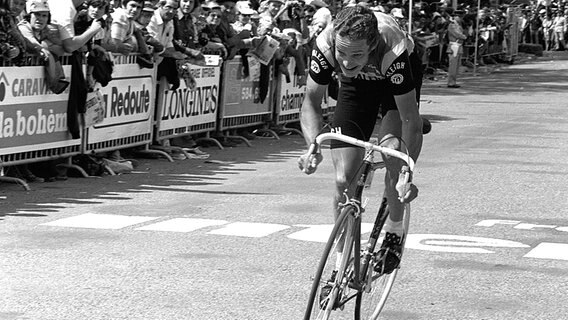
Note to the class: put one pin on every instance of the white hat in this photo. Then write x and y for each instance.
(243, 7)
(37, 6)
(246, 11)
(397, 13)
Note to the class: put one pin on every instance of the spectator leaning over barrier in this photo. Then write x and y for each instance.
(123, 40)
(232, 40)
(212, 13)
(161, 27)
(45, 38)
(63, 13)
(99, 62)
(456, 37)
(185, 39)
(154, 46)
(185, 24)
(206, 44)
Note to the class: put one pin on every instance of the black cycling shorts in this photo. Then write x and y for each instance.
(358, 105)
(360, 101)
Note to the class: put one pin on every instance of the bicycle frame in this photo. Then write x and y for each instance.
(361, 269)
(361, 274)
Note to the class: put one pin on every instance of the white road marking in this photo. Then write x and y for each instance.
(249, 229)
(549, 250)
(492, 222)
(99, 221)
(312, 233)
(320, 233)
(457, 244)
(530, 226)
(182, 225)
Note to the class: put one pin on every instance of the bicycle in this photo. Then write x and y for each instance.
(356, 276)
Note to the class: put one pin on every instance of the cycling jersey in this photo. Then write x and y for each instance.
(387, 73)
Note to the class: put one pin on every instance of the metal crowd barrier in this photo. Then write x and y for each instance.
(141, 110)
(33, 120)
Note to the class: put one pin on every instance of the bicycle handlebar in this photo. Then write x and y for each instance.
(360, 143)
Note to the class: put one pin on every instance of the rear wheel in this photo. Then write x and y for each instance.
(371, 301)
(329, 288)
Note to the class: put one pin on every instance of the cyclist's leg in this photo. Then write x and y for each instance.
(394, 227)
(390, 129)
(355, 116)
(346, 161)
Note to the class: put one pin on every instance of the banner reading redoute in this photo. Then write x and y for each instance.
(129, 105)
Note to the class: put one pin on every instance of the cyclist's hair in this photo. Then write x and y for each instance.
(357, 23)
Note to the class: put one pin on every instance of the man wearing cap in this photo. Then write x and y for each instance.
(143, 36)
(45, 39)
(456, 37)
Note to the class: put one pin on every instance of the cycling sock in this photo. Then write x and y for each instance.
(394, 227)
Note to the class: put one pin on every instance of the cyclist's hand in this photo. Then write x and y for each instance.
(308, 162)
(406, 191)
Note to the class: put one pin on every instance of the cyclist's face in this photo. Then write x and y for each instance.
(352, 55)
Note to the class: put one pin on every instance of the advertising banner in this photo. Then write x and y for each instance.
(129, 105)
(184, 110)
(31, 116)
(290, 95)
(241, 93)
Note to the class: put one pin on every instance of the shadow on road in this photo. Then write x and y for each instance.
(151, 174)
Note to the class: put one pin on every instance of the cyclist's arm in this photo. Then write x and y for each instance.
(311, 118)
(319, 77)
(411, 122)
(402, 84)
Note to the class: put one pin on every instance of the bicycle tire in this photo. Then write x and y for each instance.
(314, 310)
(370, 302)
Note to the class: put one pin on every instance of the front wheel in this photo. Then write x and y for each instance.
(329, 288)
(372, 299)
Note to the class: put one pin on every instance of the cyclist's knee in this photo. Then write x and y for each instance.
(392, 142)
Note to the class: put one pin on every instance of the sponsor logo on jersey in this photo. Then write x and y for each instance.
(315, 67)
(397, 78)
(318, 57)
(395, 67)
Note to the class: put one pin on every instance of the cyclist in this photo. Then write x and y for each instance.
(370, 53)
